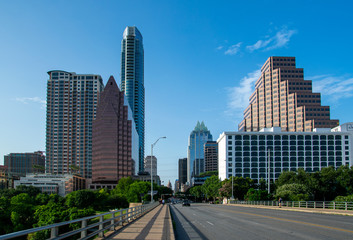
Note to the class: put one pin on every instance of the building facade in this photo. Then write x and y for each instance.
(20, 164)
(61, 184)
(147, 165)
(71, 108)
(282, 98)
(132, 82)
(183, 170)
(271, 151)
(114, 138)
(196, 162)
(211, 156)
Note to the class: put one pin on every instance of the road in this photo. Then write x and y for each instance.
(223, 222)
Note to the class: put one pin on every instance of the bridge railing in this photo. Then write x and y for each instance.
(90, 226)
(301, 204)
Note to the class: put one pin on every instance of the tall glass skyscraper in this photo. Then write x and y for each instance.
(132, 82)
(196, 162)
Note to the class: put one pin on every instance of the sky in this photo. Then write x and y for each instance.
(202, 59)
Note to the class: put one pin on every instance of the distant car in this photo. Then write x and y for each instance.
(186, 203)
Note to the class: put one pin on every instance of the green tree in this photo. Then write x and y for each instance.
(123, 186)
(211, 187)
(196, 191)
(257, 195)
(80, 199)
(293, 192)
(137, 190)
(5, 216)
(22, 210)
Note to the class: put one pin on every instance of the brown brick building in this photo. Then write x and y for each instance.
(114, 138)
(282, 98)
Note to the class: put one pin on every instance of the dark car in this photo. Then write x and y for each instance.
(186, 203)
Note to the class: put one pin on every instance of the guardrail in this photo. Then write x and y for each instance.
(96, 224)
(301, 204)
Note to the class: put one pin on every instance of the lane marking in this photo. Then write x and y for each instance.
(210, 223)
(289, 220)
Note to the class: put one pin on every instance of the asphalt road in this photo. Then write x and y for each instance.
(223, 222)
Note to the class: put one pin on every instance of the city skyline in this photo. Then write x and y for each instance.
(201, 62)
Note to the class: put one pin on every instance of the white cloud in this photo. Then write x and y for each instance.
(280, 39)
(232, 50)
(238, 97)
(32, 100)
(334, 87)
(219, 48)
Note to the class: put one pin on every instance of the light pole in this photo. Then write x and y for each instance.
(152, 145)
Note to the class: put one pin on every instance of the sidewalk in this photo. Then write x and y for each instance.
(156, 224)
(311, 210)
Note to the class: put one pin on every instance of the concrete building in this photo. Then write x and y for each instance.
(282, 98)
(271, 151)
(71, 108)
(132, 82)
(196, 161)
(146, 177)
(114, 138)
(183, 170)
(147, 165)
(60, 184)
(3, 177)
(211, 156)
(20, 164)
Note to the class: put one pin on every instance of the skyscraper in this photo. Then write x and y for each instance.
(71, 108)
(183, 170)
(114, 138)
(132, 81)
(211, 156)
(147, 165)
(282, 98)
(196, 163)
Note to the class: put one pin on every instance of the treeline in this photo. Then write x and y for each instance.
(325, 185)
(26, 207)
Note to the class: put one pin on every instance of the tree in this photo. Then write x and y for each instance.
(5, 216)
(257, 195)
(211, 187)
(196, 191)
(22, 210)
(80, 199)
(136, 190)
(123, 186)
(293, 192)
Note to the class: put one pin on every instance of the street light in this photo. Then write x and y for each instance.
(152, 145)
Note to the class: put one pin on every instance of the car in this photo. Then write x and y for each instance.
(186, 203)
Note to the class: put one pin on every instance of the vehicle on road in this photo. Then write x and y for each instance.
(186, 203)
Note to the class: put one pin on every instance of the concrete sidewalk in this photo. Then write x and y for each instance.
(156, 224)
(311, 210)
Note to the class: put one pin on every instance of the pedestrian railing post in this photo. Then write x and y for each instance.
(101, 234)
(314, 204)
(84, 232)
(334, 205)
(112, 222)
(54, 232)
(345, 206)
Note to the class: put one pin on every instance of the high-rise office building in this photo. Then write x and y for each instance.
(147, 165)
(71, 108)
(114, 138)
(183, 170)
(211, 156)
(20, 164)
(282, 98)
(196, 163)
(132, 81)
(267, 153)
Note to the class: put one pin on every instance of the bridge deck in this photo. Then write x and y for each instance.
(156, 224)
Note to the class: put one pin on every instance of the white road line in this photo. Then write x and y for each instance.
(210, 223)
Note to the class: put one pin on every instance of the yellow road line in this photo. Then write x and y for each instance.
(289, 220)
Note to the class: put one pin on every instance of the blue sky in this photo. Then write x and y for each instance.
(201, 60)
